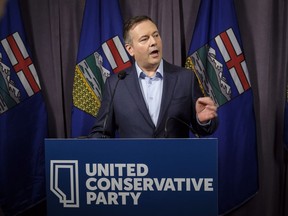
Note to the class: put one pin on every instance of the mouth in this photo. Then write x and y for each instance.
(154, 53)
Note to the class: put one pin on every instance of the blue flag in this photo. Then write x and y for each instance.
(101, 54)
(23, 119)
(286, 120)
(217, 59)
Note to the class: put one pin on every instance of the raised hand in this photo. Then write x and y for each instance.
(205, 109)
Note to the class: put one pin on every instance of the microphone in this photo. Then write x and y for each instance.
(121, 76)
(182, 122)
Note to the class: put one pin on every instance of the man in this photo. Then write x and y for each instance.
(155, 98)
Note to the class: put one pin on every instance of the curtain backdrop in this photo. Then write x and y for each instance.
(53, 29)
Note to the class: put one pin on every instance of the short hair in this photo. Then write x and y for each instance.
(130, 23)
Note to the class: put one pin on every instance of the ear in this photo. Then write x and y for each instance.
(129, 49)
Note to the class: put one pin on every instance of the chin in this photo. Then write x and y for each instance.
(156, 60)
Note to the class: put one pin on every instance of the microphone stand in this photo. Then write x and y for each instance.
(121, 76)
(182, 122)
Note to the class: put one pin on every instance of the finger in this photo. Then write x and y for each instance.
(211, 107)
(201, 108)
(208, 112)
(206, 116)
(205, 101)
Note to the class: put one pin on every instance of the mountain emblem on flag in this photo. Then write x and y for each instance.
(90, 75)
(14, 91)
(9, 94)
(89, 78)
(209, 67)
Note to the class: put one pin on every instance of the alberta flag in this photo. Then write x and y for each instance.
(23, 120)
(217, 59)
(101, 54)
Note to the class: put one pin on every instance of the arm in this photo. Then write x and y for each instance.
(205, 112)
(206, 109)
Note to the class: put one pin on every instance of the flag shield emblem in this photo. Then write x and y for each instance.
(219, 76)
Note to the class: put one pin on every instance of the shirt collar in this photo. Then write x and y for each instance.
(159, 71)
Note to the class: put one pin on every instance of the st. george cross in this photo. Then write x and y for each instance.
(22, 63)
(234, 59)
(116, 54)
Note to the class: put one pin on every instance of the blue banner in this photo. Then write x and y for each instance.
(126, 177)
(217, 59)
(23, 119)
(101, 54)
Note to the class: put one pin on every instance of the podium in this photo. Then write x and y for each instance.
(131, 177)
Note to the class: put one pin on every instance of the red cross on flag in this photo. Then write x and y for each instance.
(22, 63)
(234, 58)
(116, 54)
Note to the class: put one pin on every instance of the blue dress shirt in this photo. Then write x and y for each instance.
(152, 88)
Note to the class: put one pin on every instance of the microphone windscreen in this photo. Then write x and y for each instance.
(122, 75)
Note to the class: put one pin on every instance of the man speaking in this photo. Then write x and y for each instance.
(152, 98)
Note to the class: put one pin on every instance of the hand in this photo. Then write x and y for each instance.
(205, 109)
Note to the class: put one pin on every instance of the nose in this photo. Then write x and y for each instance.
(152, 41)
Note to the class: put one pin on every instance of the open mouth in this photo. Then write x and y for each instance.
(154, 53)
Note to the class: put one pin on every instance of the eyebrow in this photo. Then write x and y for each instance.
(155, 32)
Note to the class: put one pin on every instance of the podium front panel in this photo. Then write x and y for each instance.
(131, 177)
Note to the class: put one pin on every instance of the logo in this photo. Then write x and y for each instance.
(21, 64)
(91, 74)
(65, 171)
(220, 68)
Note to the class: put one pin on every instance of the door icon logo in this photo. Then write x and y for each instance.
(65, 171)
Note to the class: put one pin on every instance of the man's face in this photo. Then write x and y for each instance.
(146, 45)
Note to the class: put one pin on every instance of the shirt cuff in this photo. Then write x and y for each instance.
(203, 124)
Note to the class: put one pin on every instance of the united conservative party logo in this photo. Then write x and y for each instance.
(65, 171)
(114, 183)
(165, 177)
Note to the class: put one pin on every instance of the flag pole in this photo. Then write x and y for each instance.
(285, 159)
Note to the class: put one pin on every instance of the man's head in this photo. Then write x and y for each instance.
(143, 42)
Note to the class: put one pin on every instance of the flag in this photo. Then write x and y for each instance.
(23, 119)
(100, 54)
(286, 120)
(217, 59)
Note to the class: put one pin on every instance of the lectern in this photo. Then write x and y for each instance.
(131, 177)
